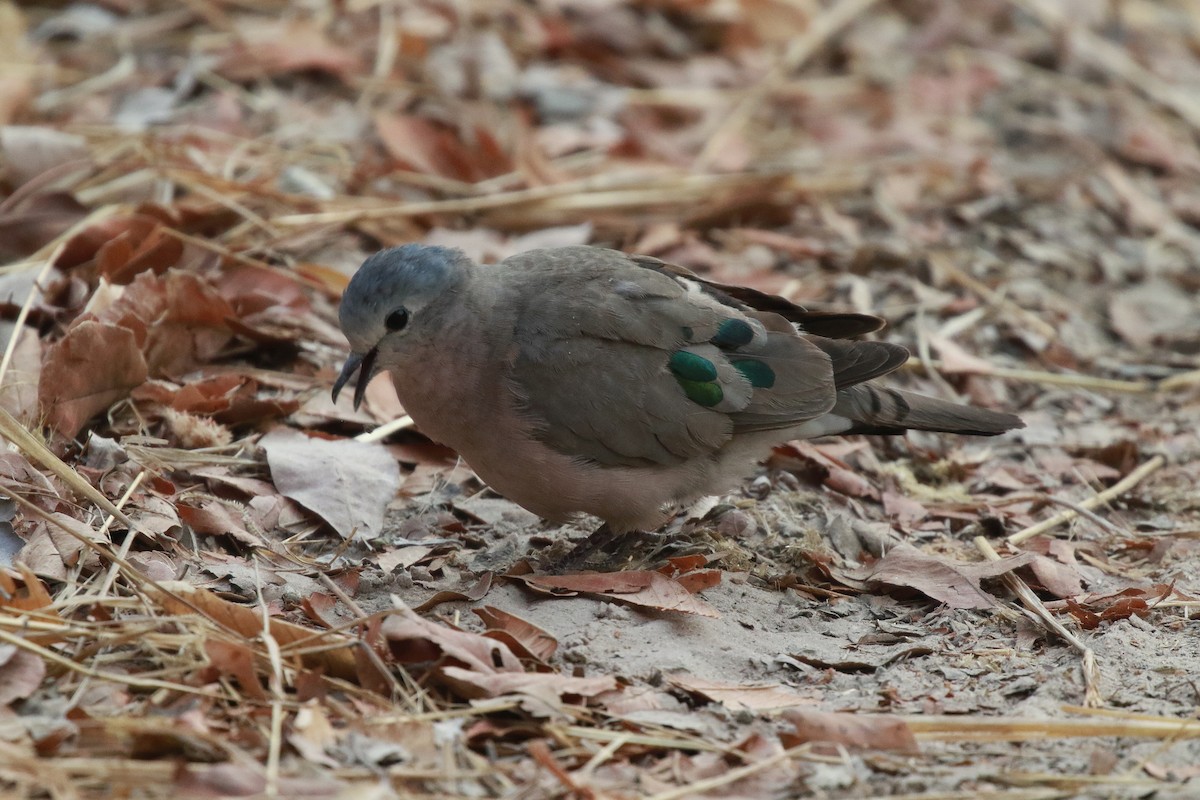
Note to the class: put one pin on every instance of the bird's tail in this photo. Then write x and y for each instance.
(870, 409)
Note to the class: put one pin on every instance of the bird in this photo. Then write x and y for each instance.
(586, 380)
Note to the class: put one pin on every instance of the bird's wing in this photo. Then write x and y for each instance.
(625, 364)
(830, 324)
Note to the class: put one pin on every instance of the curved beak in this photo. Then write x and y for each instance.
(365, 366)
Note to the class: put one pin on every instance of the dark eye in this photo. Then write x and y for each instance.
(396, 320)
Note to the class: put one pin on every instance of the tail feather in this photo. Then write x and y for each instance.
(874, 410)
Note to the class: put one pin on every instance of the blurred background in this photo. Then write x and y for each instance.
(186, 187)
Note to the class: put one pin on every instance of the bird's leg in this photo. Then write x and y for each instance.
(600, 539)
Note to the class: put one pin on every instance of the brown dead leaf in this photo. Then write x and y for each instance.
(208, 516)
(27, 593)
(402, 557)
(85, 247)
(36, 221)
(346, 483)
(1060, 580)
(271, 48)
(415, 640)
(905, 511)
(523, 637)
(641, 588)
(93, 366)
(21, 673)
(953, 583)
(822, 466)
(228, 398)
(737, 697)
(855, 731)
(685, 571)
(237, 661)
(182, 598)
(1092, 611)
(70, 546)
(250, 289)
(425, 146)
(179, 319)
(547, 687)
(142, 246)
(471, 595)
(19, 392)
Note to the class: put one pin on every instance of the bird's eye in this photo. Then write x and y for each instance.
(396, 320)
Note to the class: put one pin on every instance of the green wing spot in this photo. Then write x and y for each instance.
(733, 333)
(757, 372)
(691, 367)
(702, 393)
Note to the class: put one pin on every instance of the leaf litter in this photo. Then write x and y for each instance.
(207, 586)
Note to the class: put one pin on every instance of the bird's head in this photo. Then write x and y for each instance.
(388, 305)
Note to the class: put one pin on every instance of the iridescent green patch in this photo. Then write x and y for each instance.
(692, 367)
(702, 393)
(757, 372)
(733, 333)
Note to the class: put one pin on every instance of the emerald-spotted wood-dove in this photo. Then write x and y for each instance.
(580, 379)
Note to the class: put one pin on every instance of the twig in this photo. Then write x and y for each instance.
(1084, 512)
(590, 192)
(16, 433)
(1180, 381)
(116, 677)
(386, 430)
(23, 314)
(1021, 729)
(1091, 673)
(123, 552)
(276, 682)
(943, 263)
(926, 360)
(1050, 378)
(1118, 488)
(823, 27)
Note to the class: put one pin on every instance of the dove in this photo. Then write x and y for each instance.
(585, 380)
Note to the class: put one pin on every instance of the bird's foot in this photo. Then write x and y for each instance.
(606, 550)
(604, 541)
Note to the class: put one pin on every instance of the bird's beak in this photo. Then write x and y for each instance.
(365, 365)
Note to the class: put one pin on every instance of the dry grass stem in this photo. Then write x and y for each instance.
(1039, 612)
(1116, 490)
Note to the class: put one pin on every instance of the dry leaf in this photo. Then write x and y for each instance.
(346, 483)
(471, 595)
(855, 731)
(736, 697)
(178, 597)
(639, 588)
(548, 687)
(413, 640)
(85, 372)
(21, 673)
(535, 642)
(953, 583)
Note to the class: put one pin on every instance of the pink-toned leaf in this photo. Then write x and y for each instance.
(85, 372)
(855, 731)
